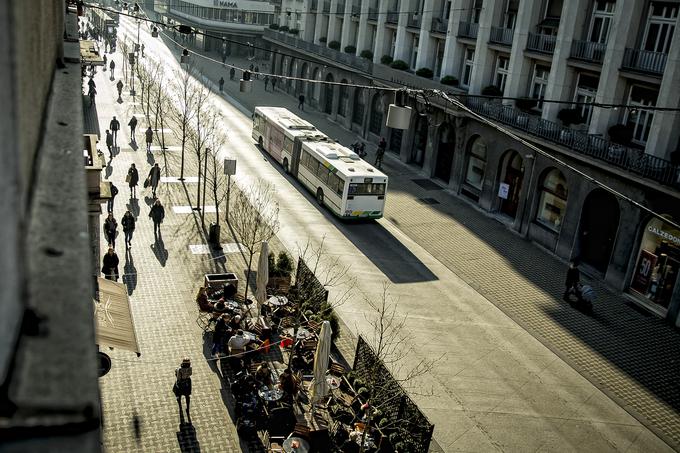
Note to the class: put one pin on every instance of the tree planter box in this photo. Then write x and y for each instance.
(217, 281)
(279, 285)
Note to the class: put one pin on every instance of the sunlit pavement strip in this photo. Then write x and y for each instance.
(175, 179)
(204, 249)
(189, 209)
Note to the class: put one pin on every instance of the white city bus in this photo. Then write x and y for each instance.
(349, 186)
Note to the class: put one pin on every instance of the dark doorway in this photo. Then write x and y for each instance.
(513, 177)
(442, 169)
(328, 88)
(599, 223)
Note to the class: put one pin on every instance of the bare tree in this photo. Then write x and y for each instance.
(214, 174)
(161, 106)
(200, 133)
(125, 50)
(253, 218)
(184, 99)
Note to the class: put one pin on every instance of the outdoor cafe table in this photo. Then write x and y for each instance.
(277, 301)
(302, 445)
(333, 382)
(270, 395)
(230, 305)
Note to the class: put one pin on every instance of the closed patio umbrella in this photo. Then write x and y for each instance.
(262, 274)
(323, 349)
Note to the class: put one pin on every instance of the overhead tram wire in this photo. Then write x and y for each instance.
(535, 148)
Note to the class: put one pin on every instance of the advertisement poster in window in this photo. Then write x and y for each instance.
(643, 272)
(504, 190)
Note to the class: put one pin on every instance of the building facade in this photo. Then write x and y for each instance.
(609, 63)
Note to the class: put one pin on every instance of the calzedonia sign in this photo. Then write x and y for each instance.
(225, 4)
(664, 234)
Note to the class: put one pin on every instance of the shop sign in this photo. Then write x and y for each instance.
(643, 272)
(664, 234)
(503, 190)
(225, 4)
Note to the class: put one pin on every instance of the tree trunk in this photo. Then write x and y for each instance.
(250, 263)
(184, 141)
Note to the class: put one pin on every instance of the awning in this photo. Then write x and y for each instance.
(89, 53)
(115, 326)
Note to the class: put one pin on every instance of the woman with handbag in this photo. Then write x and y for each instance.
(132, 179)
(182, 386)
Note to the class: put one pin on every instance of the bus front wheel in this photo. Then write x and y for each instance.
(319, 196)
(285, 165)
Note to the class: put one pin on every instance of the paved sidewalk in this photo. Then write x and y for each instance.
(629, 355)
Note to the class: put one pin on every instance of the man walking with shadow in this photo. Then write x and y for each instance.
(154, 178)
(112, 67)
(114, 125)
(109, 144)
(119, 86)
(157, 214)
(133, 126)
(149, 138)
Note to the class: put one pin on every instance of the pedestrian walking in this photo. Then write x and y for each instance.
(382, 146)
(90, 83)
(119, 86)
(301, 102)
(257, 72)
(149, 138)
(133, 126)
(112, 67)
(182, 386)
(128, 222)
(114, 125)
(110, 265)
(232, 72)
(154, 178)
(142, 50)
(110, 230)
(252, 66)
(273, 83)
(157, 214)
(266, 82)
(572, 281)
(132, 179)
(109, 202)
(221, 83)
(104, 59)
(109, 144)
(92, 92)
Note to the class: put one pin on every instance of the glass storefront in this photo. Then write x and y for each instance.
(658, 263)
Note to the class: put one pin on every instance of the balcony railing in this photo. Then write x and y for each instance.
(373, 14)
(353, 61)
(541, 43)
(340, 8)
(644, 61)
(588, 51)
(326, 7)
(468, 30)
(414, 21)
(440, 25)
(501, 35)
(392, 18)
(630, 159)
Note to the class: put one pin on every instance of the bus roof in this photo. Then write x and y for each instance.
(284, 118)
(347, 162)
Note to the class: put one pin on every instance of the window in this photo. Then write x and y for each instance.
(502, 64)
(552, 202)
(476, 11)
(603, 14)
(639, 119)
(447, 10)
(467, 66)
(539, 83)
(375, 123)
(586, 89)
(414, 52)
(344, 98)
(474, 175)
(366, 189)
(660, 27)
(336, 184)
(510, 16)
(358, 110)
(288, 144)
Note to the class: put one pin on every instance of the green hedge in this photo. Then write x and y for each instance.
(350, 49)
(425, 72)
(449, 80)
(334, 45)
(367, 54)
(386, 59)
(274, 26)
(399, 64)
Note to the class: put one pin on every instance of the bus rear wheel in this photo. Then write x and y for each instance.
(285, 165)
(319, 196)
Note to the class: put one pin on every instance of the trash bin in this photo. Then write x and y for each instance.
(214, 234)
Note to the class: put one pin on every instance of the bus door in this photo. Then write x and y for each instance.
(297, 151)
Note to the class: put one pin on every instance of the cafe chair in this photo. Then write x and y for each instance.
(337, 369)
(302, 431)
(205, 321)
(274, 444)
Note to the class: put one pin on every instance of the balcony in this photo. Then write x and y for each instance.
(373, 14)
(326, 7)
(468, 30)
(414, 21)
(336, 56)
(501, 35)
(629, 159)
(541, 43)
(644, 61)
(392, 18)
(592, 52)
(340, 8)
(439, 25)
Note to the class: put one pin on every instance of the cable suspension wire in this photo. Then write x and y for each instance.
(535, 148)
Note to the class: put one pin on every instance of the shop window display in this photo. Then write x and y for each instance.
(474, 175)
(552, 203)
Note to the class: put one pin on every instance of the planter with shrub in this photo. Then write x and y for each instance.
(526, 104)
(294, 31)
(425, 72)
(284, 28)
(280, 271)
(350, 49)
(274, 26)
(621, 134)
(386, 59)
(449, 80)
(367, 54)
(492, 90)
(569, 117)
(335, 45)
(322, 39)
(399, 64)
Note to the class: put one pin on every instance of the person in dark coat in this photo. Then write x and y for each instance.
(110, 265)
(133, 126)
(301, 102)
(157, 214)
(112, 67)
(382, 146)
(572, 280)
(132, 179)
(154, 178)
(114, 125)
(109, 202)
(182, 386)
(119, 86)
(232, 73)
(221, 82)
(149, 138)
(219, 337)
(109, 143)
(110, 230)
(128, 222)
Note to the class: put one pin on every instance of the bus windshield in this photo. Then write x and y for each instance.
(367, 189)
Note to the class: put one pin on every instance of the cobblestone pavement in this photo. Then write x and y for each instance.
(629, 355)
